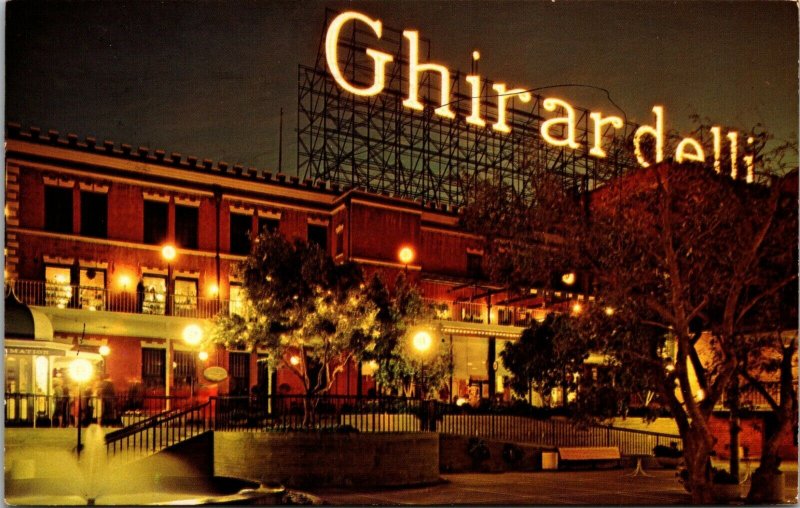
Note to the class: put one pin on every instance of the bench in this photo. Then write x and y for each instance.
(590, 455)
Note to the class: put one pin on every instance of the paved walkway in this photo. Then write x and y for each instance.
(539, 488)
(608, 487)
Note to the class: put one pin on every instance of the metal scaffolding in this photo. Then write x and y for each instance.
(377, 144)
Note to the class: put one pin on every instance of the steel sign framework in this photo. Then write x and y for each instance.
(377, 144)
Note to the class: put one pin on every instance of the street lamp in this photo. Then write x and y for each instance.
(193, 335)
(422, 342)
(406, 256)
(169, 253)
(81, 371)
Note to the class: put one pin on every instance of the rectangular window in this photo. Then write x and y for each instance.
(239, 364)
(268, 225)
(153, 367)
(319, 235)
(475, 265)
(94, 214)
(58, 291)
(156, 216)
(240, 233)
(186, 226)
(154, 294)
(185, 302)
(92, 289)
(185, 368)
(236, 299)
(340, 242)
(58, 209)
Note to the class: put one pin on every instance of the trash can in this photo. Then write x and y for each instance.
(549, 460)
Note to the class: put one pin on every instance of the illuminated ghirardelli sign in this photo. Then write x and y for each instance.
(688, 149)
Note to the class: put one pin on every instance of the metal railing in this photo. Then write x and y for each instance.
(293, 413)
(552, 432)
(750, 398)
(474, 312)
(152, 423)
(390, 414)
(161, 431)
(65, 296)
(32, 410)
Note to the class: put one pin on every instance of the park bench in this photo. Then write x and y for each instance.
(591, 455)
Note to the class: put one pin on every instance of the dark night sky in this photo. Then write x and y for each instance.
(208, 78)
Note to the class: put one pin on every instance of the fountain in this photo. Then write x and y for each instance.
(46, 475)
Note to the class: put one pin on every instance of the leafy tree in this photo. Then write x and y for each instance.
(678, 249)
(400, 311)
(547, 356)
(310, 313)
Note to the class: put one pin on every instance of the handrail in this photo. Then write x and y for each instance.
(161, 431)
(140, 425)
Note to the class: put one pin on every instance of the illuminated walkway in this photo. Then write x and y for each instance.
(607, 487)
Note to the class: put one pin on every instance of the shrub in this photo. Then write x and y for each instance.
(477, 449)
(512, 453)
(671, 452)
(723, 477)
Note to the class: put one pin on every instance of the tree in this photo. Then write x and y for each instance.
(311, 314)
(547, 356)
(676, 248)
(400, 311)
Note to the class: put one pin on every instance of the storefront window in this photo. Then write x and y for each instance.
(154, 295)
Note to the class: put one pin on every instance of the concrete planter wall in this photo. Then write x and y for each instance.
(315, 459)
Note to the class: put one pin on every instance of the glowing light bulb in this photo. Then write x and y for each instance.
(422, 341)
(168, 252)
(203, 356)
(405, 255)
(192, 334)
(104, 350)
(294, 360)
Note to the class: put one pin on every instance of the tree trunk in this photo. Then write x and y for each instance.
(733, 426)
(696, 456)
(770, 459)
(308, 411)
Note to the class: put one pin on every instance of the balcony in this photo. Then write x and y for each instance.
(472, 312)
(750, 398)
(65, 296)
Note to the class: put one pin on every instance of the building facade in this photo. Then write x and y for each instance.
(86, 223)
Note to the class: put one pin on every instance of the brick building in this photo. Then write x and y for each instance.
(87, 221)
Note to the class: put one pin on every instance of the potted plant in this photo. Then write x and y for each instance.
(725, 486)
(668, 457)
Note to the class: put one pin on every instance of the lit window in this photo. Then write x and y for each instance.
(185, 297)
(58, 291)
(92, 289)
(154, 294)
(237, 299)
